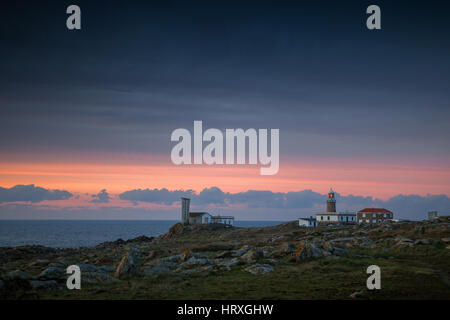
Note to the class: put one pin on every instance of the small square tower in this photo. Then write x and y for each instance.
(185, 202)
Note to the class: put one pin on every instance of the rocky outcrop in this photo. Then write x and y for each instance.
(259, 269)
(241, 251)
(52, 273)
(130, 262)
(308, 250)
(252, 255)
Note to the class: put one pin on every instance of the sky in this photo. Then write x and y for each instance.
(86, 115)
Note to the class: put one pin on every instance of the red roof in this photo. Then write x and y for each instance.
(376, 210)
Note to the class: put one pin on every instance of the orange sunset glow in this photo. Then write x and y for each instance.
(378, 180)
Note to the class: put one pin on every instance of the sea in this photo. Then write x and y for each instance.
(85, 233)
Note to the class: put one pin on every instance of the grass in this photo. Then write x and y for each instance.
(324, 278)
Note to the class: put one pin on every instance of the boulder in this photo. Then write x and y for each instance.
(252, 255)
(185, 255)
(307, 250)
(228, 262)
(348, 239)
(422, 241)
(52, 273)
(130, 262)
(288, 248)
(325, 245)
(224, 254)
(241, 251)
(197, 261)
(176, 258)
(259, 269)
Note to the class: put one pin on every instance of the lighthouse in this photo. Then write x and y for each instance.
(331, 201)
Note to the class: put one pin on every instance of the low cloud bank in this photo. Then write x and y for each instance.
(32, 194)
(403, 206)
(101, 197)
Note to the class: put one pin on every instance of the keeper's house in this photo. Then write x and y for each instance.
(374, 215)
(307, 222)
(347, 218)
(188, 217)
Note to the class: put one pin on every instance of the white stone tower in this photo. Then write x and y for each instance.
(185, 210)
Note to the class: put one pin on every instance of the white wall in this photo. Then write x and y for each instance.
(204, 220)
(303, 223)
(333, 218)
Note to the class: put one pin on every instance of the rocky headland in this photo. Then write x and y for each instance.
(217, 262)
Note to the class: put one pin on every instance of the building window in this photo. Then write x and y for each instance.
(321, 217)
(328, 217)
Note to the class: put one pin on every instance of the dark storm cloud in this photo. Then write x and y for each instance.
(32, 194)
(136, 71)
(101, 197)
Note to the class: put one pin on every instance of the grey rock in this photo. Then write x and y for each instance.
(259, 269)
(52, 273)
(175, 258)
(348, 239)
(252, 255)
(403, 239)
(63, 261)
(422, 241)
(241, 251)
(310, 250)
(288, 247)
(130, 262)
(198, 261)
(224, 254)
(228, 262)
(48, 284)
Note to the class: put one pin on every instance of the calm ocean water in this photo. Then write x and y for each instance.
(80, 233)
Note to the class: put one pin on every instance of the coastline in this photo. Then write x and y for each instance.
(277, 262)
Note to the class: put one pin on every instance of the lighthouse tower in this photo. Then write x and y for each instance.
(331, 201)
